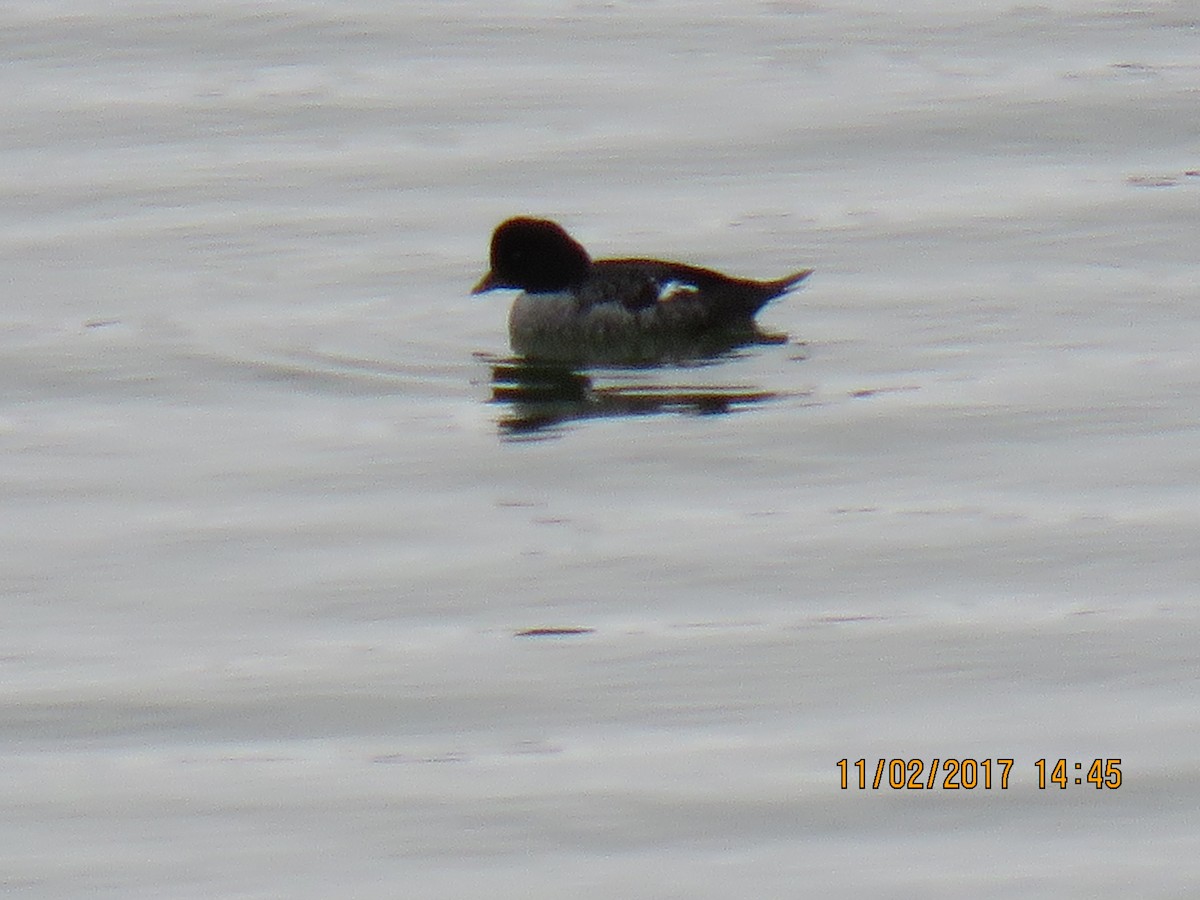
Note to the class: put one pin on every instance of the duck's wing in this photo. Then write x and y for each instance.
(726, 300)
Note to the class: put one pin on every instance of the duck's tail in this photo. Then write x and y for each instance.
(786, 283)
(761, 293)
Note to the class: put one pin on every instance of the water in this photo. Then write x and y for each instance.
(272, 528)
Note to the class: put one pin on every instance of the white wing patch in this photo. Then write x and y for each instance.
(671, 290)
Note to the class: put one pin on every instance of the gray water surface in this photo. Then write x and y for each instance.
(273, 530)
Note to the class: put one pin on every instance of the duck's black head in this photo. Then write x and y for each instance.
(535, 255)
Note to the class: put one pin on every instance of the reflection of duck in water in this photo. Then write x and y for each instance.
(618, 311)
(540, 397)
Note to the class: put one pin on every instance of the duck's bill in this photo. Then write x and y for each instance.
(486, 283)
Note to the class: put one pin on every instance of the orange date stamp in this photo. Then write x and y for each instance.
(968, 774)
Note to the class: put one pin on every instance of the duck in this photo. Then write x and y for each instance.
(573, 309)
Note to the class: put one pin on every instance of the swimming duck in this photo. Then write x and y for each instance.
(574, 309)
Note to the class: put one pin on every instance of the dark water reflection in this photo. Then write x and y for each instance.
(540, 398)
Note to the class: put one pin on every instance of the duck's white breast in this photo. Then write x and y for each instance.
(560, 326)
